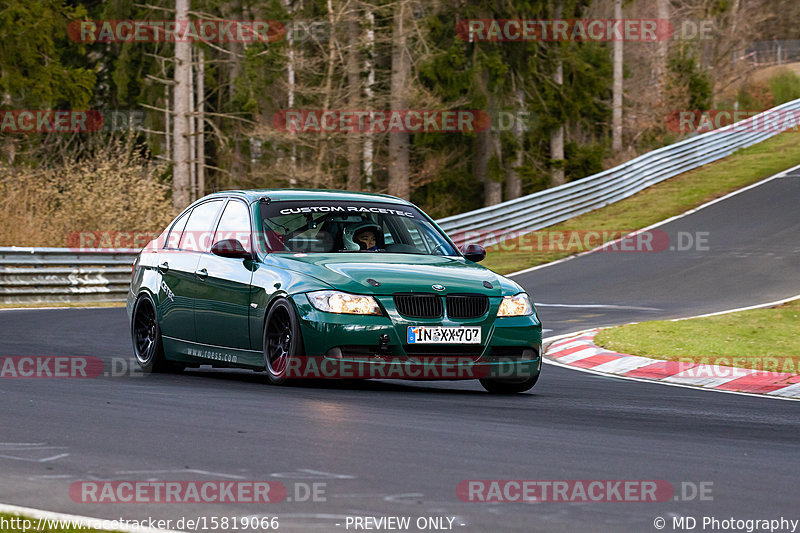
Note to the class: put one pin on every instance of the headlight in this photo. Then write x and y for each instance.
(517, 305)
(342, 302)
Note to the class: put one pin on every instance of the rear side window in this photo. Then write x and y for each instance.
(234, 224)
(175, 233)
(199, 229)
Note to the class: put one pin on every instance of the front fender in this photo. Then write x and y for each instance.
(269, 283)
(145, 278)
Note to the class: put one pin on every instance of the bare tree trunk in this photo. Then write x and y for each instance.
(192, 130)
(513, 181)
(401, 69)
(322, 148)
(557, 135)
(233, 10)
(369, 66)
(662, 54)
(354, 93)
(734, 17)
(181, 192)
(557, 152)
(486, 145)
(616, 109)
(201, 120)
(167, 123)
(290, 88)
(736, 47)
(493, 190)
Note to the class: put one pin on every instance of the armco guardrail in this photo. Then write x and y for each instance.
(30, 275)
(35, 275)
(548, 207)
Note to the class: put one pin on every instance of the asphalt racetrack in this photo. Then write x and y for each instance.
(401, 448)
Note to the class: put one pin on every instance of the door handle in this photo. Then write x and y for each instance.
(163, 267)
(202, 273)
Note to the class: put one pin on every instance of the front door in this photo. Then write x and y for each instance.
(222, 303)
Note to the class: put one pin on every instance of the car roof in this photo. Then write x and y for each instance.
(310, 194)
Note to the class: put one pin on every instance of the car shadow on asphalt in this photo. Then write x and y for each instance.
(260, 378)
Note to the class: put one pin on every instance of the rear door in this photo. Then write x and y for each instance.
(177, 263)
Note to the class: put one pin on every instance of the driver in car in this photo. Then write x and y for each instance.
(363, 238)
(366, 239)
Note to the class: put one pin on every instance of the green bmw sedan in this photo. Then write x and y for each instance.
(312, 284)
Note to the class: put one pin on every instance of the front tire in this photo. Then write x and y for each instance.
(146, 336)
(283, 341)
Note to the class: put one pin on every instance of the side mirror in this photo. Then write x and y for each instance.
(473, 252)
(230, 248)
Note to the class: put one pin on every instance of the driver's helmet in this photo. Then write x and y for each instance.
(351, 233)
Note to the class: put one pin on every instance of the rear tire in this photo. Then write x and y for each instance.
(509, 386)
(146, 336)
(282, 341)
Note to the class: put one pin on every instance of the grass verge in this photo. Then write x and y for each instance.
(661, 201)
(761, 339)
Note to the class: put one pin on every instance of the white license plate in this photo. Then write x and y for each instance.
(444, 335)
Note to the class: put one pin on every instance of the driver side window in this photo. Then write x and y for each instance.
(234, 224)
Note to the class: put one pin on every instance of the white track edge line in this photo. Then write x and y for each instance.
(780, 174)
(85, 521)
(757, 306)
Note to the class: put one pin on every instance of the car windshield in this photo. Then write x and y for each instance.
(341, 226)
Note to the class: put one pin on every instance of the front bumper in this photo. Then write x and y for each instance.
(358, 346)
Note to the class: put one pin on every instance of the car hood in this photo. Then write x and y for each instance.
(350, 272)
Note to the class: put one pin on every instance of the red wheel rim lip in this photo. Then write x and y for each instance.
(279, 337)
